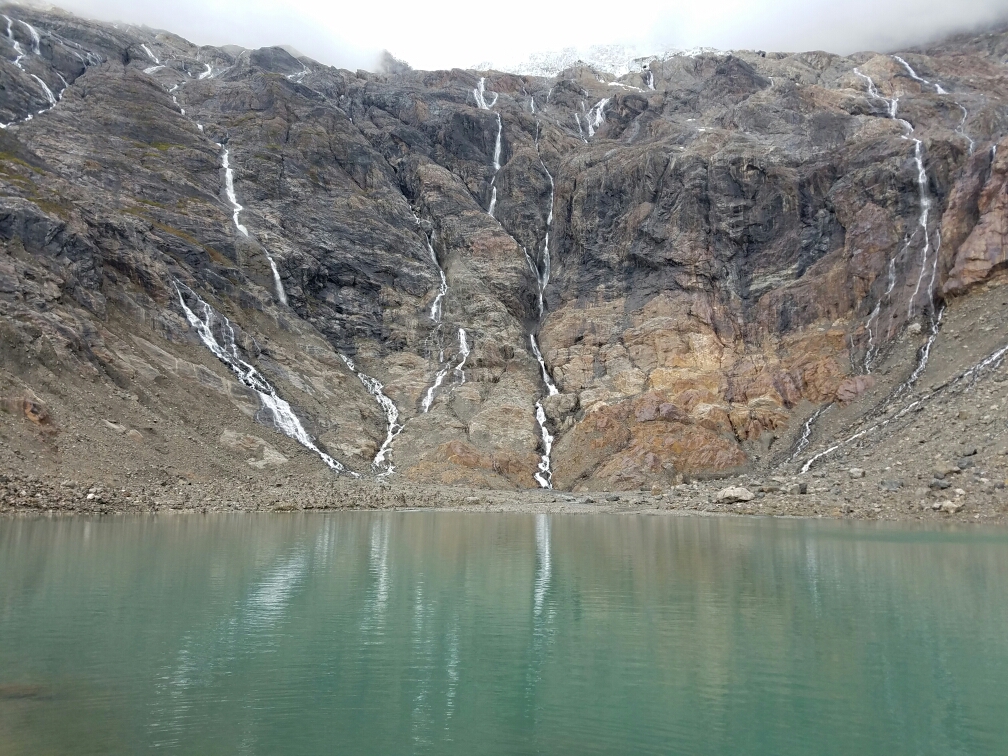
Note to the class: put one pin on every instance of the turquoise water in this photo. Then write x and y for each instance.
(440, 633)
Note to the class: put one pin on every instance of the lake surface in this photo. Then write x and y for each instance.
(443, 633)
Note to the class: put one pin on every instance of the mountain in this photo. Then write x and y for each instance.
(476, 278)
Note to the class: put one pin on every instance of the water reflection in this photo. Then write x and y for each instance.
(443, 633)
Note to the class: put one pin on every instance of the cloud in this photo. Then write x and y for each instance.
(447, 33)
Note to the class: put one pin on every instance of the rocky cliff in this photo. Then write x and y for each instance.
(480, 278)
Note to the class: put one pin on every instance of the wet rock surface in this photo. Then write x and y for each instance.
(725, 275)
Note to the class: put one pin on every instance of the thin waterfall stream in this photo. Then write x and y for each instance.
(237, 208)
(541, 270)
(212, 324)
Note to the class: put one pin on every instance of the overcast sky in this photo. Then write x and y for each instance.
(447, 33)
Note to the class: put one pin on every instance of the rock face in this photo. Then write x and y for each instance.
(380, 260)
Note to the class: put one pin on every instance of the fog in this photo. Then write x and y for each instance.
(447, 33)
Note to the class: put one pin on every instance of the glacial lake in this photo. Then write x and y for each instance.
(444, 633)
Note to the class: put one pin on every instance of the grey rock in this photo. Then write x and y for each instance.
(734, 494)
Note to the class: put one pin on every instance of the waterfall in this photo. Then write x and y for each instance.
(803, 442)
(891, 105)
(299, 76)
(596, 116)
(283, 416)
(541, 270)
(36, 42)
(230, 190)
(15, 43)
(480, 94)
(915, 77)
(150, 55)
(436, 318)
(971, 374)
(496, 167)
(577, 119)
(464, 354)
(375, 388)
(428, 399)
(650, 80)
(961, 129)
(208, 74)
(925, 205)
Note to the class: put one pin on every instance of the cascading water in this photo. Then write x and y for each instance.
(596, 116)
(577, 119)
(925, 205)
(229, 188)
(873, 348)
(464, 354)
(375, 388)
(36, 50)
(541, 270)
(150, 55)
(208, 74)
(496, 166)
(480, 94)
(36, 41)
(961, 129)
(14, 43)
(993, 359)
(436, 318)
(299, 76)
(892, 105)
(803, 442)
(48, 93)
(284, 418)
(915, 77)
(650, 80)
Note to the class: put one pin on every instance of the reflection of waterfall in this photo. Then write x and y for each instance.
(375, 388)
(543, 565)
(229, 188)
(282, 415)
(452, 667)
(377, 601)
(246, 631)
(542, 612)
(269, 601)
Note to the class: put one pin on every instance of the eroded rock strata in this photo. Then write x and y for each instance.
(676, 267)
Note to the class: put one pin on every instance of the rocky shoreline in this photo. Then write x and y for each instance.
(848, 494)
